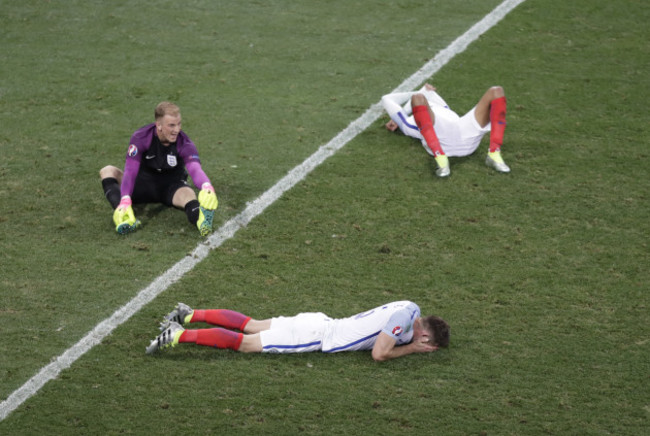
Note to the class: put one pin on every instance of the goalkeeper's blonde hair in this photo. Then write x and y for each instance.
(166, 108)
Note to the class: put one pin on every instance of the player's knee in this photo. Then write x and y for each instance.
(386, 102)
(109, 171)
(418, 100)
(497, 92)
(182, 196)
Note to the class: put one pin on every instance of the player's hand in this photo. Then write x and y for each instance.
(124, 211)
(423, 346)
(429, 87)
(391, 126)
(123, 217)
(207, 197)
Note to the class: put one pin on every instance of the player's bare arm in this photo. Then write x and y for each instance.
(385, 348)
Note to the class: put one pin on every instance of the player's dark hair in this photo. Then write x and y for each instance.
(438, 329)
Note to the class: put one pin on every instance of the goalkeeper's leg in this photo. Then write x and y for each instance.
(192, 210)
(204, 223)
(111, 178)
(197, 214)
(208, 204)
(124, 220)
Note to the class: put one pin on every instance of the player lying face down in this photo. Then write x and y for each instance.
(392, 330)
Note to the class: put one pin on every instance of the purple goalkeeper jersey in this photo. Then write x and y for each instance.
(146, 153)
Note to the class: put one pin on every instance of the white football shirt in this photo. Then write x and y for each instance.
(359, 332)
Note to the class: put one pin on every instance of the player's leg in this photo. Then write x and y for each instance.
(111, 178)
(230, 319)
(182, 195)
(146, 189)
(491, 109)
(257, 325)
(184, 198)
(222, 338)
(425, 119)
(217, 337)
(482, 112)
(302, 333)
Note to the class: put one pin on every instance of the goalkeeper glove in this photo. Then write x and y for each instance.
(124, 218)
(207, 197)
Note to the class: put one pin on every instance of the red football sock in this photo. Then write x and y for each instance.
(222, 317)
(425, 124)
(498, 123)
(216, 337)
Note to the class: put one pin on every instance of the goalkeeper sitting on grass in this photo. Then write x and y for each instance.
(158, 160)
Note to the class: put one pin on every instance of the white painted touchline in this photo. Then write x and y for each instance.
(252, 210)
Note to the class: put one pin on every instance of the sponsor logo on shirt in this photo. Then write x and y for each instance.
(132, 151)
(397, 330)
(171, 160)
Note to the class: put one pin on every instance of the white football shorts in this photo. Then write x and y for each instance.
(458, 136)
(295, 334)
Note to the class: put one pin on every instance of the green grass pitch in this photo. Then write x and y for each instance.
(542, 273)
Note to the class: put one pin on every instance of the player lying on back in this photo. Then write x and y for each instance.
(426, 116)
(158, 160)
(390, 331)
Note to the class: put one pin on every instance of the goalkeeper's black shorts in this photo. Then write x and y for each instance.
(157, 188)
